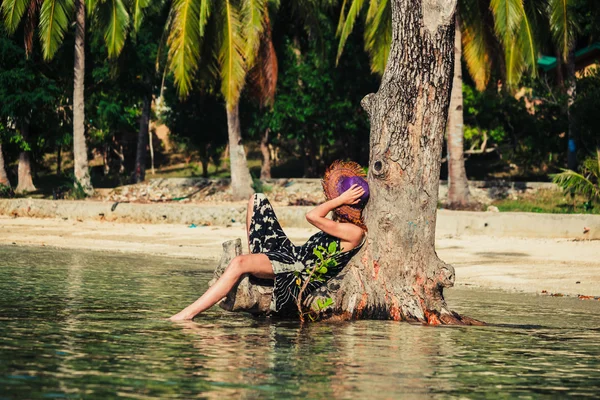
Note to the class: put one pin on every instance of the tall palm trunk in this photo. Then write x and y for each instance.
(139, 173)
(25, 183)
(241, 181)
(265, 169)
(82, 175)
(458, 185)
(3, 176)
(571, 86)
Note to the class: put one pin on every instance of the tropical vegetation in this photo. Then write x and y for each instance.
(241, 83)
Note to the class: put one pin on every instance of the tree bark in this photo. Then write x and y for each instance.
(241, 181)
(25, 182)
(265, 168)
(80, 158)
(458, 185)
(204, 163)
(3, 176)
(571, 84)
(139, 172)
(59, 159)
(397, 274)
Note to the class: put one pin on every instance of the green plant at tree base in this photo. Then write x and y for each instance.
(586, 183)
(6, 192)
(317, 273)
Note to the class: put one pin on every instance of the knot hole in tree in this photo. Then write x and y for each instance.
(379, 169)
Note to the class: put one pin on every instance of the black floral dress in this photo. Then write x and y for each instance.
(290, 262)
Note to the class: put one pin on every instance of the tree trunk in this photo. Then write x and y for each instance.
(25, 183)
(241, 180)
(224, 157)
(204, 162)
(571, 83)
(265, 168)
(139, 172)
(458, 185)
(3, 176)
(397, 274)
(80, 159)
(106, 159)
(59, 159)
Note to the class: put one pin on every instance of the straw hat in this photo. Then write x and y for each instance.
(339, 177)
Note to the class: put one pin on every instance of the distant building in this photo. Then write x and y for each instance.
(586, 60)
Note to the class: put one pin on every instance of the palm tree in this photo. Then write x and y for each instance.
(482, 28)
(3, 177)
(564, 29)
(53, 18)
(226, 33)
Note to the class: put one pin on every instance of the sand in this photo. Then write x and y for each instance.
(505, 263)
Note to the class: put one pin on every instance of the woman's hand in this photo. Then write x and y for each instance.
(352, 195)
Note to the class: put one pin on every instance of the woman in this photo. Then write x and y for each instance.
(274, 257)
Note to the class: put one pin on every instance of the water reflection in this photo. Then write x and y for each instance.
(92, 325)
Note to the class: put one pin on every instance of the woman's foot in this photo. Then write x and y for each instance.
(181, 316)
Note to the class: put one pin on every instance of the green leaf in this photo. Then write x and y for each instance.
(323, 270)
(54, 21)
(116, 27)
(231, 53)
(317, 253)
(184, 43)
(252, 14)
(12, 12)
(138, 12)
(332, 247)
(346, 24)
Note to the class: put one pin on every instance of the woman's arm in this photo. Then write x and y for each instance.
(345, 231)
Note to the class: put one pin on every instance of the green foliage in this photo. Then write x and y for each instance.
(260, 187)
(585, 183)
(531, 136)
(322, 304)
(317, 273)
(316, 116)
(6, 192)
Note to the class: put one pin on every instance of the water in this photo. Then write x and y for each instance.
(92, 325)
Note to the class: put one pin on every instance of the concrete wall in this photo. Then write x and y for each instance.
(448, 222)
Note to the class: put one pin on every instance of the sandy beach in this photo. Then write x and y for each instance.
(512, 264)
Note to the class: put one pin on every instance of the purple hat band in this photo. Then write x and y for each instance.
(347, 182)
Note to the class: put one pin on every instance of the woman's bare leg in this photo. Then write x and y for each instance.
(249, 214)
(258, 265)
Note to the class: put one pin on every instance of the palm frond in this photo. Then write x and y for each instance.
(12, 12)
(232, 68)
(137, 12)
(263, 77)
(204, 14)
(184, 42)
(507, 17)
(562, 25)
(252, 15)
(592, 165)
(54, 21)
(572, 182)
(346, 24)
(527, 42)
(475, 42)
(115, 23)
(514, 64)
(378, 35)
